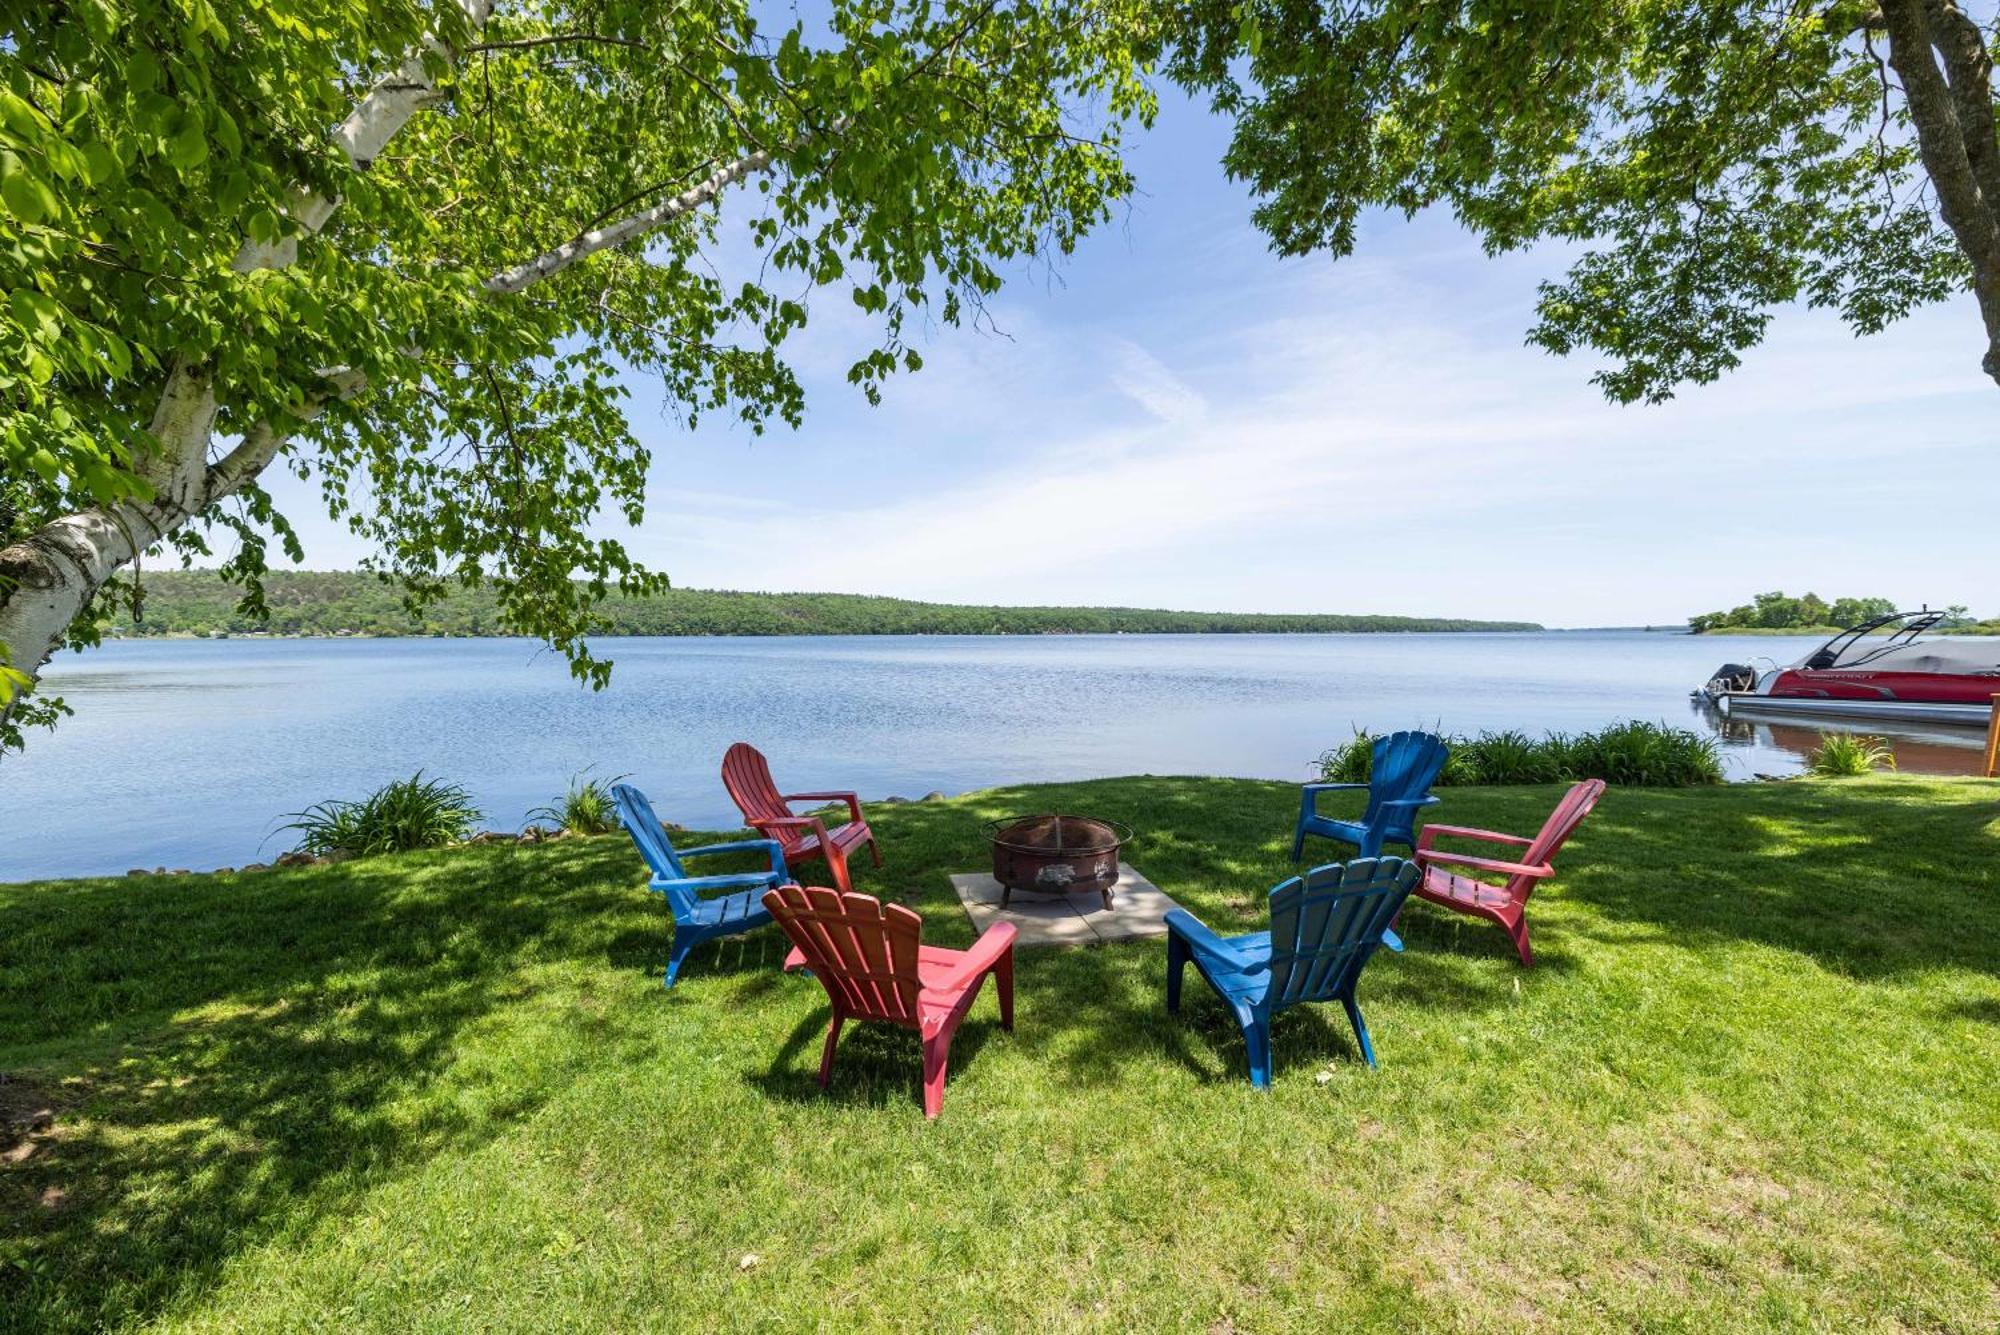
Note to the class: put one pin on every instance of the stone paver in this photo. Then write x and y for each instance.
(1138, 909)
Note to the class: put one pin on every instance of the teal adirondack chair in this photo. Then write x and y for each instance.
(1325, 926)
(697, 919)
(1401, 770)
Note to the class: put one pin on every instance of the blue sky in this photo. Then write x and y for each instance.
(1178, 418)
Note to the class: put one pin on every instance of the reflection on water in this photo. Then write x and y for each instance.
(1918, 748)
(191, 751)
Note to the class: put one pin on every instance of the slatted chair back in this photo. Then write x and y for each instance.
(747, 777)
(1325, 925)
(637, 815)
(1562, 822)
(863, 950)
(1402, 767)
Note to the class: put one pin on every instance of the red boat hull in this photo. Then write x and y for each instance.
(1943, 688)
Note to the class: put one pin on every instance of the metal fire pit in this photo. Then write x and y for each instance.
(1056, 855)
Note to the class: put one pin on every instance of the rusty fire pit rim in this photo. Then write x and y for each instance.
(1121, 834)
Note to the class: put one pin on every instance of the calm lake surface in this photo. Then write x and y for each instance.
(187, 753)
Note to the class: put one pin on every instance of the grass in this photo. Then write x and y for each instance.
(1750, 1084)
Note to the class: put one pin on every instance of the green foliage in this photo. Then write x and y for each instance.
(1776, 611)
(1748, 1087)
(331, 603)
(585, 806)
(1847, 754)
(400, 816)
(1632, 754)
(901, 152)
(1705, 162)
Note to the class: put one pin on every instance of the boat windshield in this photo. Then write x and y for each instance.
(1872, 638)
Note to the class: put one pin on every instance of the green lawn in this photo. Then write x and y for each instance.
(1753, 1081)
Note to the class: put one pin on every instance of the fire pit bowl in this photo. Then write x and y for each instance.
(1056, 855)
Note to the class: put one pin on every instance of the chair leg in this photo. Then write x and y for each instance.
(937, 1048)
(684, 945)
(1177, 958)
(826, 1053)
(1257, 1038)
(874, 849)
(1519, 931)
(1003, 984)
(1298, 841)
(1360, 1029)
(836, 862)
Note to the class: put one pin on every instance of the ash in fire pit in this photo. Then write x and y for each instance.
(1055, 854)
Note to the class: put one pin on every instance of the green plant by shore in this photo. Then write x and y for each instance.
(197, 602)
(1847, 754)
(585, 806)
(1632, 754)
(398, 817)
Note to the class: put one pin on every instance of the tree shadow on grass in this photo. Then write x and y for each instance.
(244, 1047)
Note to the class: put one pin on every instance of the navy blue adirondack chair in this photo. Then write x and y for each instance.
(1402, 768)
(697, 919)
(1324, 927)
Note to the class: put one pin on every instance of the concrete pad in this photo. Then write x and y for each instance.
(1138, 909)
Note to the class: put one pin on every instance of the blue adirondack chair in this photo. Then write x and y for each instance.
(1324, 927)
(1401, 771)
(697, 919)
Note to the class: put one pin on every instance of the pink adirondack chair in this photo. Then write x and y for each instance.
(747, 776)
(874, 966)
(1505, 904)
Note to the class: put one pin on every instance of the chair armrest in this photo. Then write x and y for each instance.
(1309, 795)
(994, 942)
(1391, 940)
(1427, 856)
(770, 846)
(853, 801)
(1433, 830)
(1412, 802)
(734, 880)
(813, 823)
(1202, 938)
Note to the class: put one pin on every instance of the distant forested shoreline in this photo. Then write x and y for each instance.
(200, 603)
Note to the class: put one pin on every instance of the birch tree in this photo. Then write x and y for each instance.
(408, 248)
(1710, 161)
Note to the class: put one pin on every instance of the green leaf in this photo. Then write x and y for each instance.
(27, 196)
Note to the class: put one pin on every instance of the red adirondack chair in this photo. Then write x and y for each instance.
(1505, 904)
(747, 776)
(874, 966)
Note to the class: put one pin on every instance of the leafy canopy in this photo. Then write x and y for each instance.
(1718, 158)
(896, 152)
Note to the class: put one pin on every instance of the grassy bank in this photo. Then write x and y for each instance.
(1750, 1084)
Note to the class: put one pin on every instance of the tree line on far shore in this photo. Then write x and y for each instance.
(1780, 611)
(201, 603)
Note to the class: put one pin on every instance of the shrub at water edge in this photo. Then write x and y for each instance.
(1634, 754)
(401, 815)
(1844, 754)
(585, 806)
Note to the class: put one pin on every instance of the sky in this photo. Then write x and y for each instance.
(1176, 417)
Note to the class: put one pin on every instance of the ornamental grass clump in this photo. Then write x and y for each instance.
(1633, 754)
(399, 816)
(1846, 755)
(585, 806)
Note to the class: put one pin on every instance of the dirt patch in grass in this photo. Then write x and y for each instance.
(28, 1111)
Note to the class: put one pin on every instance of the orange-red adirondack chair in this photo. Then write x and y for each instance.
(870, 959)
(747, 776)
(1505, 904)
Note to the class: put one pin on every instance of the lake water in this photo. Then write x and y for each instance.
(187, 753)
